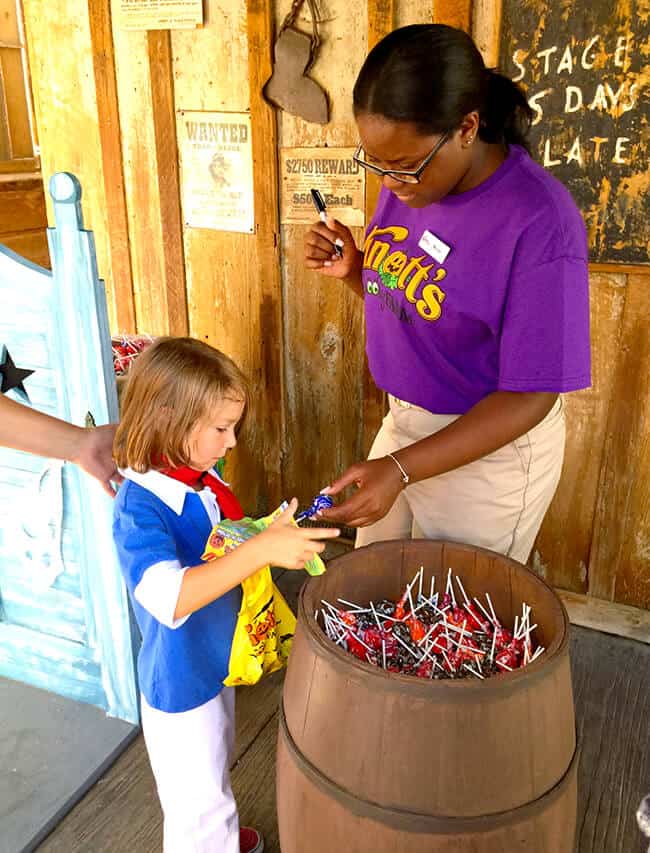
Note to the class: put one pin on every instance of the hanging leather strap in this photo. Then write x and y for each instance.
(290, 21)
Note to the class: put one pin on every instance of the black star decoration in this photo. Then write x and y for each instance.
(12, 376)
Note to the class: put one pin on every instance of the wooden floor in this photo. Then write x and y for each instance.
(120, 814)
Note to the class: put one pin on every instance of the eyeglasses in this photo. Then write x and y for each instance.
(405, 176)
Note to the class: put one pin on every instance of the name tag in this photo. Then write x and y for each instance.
(434, 246)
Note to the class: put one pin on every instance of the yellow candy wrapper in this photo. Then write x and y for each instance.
(265, 624)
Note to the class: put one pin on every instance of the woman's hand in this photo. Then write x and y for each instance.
(320, 251)
(379, 482)
(94, 454)
(31, 431)
(283, 544)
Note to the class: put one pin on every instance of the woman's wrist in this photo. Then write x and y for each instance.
(74, 443)
(404, 476)
(354, 278)
(490, 424)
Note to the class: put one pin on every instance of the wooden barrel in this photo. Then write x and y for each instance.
(377, 761)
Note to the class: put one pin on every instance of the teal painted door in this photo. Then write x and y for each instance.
(64, 618)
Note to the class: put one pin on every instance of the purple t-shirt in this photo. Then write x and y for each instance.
(485, 290)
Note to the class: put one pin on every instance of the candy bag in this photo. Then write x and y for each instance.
(265, 623)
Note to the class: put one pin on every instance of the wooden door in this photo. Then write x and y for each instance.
(64, 619)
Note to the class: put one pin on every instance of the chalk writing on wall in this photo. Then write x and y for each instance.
(585, 67)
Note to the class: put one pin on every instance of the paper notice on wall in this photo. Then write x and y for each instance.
(160, 14)
(332, 171)
(216, 160)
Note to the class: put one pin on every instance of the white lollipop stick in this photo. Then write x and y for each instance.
(449, 663)
(484, 611)
(374, 613)
(359, 640)
(427, 653)
(356, 607)
(450, 588)
(494, 616)
(462, 589)
(427, 635)
(473, 671)
(410, 598)
(408, 648)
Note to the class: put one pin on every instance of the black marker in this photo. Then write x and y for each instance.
(319, 204)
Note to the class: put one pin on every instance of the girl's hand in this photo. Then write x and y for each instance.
(378, 482)
(320, 253)
(283, 544)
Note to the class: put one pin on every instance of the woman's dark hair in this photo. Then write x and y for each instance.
(432, 75)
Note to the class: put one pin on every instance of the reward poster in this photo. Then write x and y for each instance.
(160, 14)
(333, 172)
(216, 170)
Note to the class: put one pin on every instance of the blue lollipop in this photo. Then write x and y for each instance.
(319, 502)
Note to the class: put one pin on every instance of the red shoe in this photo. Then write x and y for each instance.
(250, 841)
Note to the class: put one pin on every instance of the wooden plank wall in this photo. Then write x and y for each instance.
(22, 216)
(15, 125)
(106, 102)
(221, 287)
(59, 47)
(22, 201)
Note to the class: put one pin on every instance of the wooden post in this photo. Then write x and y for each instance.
(164, 120)
(486, 29)
(618, 559)
(269, 379)
(103, 54)
(454, 13)
(381, 21)
(62, 67)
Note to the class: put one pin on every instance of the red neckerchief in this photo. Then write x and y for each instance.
(228, 503)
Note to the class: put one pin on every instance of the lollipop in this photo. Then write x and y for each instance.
(320, 502)
(433, 637)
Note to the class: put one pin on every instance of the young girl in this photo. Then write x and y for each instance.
(475, 287)
(180, 413)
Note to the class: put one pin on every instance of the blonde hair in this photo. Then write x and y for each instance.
(172, 386)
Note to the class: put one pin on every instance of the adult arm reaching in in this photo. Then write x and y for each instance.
(495, 421)
(23, 428)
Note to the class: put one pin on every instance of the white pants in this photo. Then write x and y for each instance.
(190, 758)
(497, 502)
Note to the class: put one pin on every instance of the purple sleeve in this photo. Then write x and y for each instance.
(545, 332)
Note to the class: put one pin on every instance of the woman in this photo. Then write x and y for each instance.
(474, 279)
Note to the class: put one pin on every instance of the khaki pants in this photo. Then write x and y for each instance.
(497, 502)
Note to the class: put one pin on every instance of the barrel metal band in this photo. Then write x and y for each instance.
(401, 819)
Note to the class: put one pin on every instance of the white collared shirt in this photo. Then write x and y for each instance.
(173, 492)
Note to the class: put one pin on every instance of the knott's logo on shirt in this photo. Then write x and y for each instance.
(398, 271)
